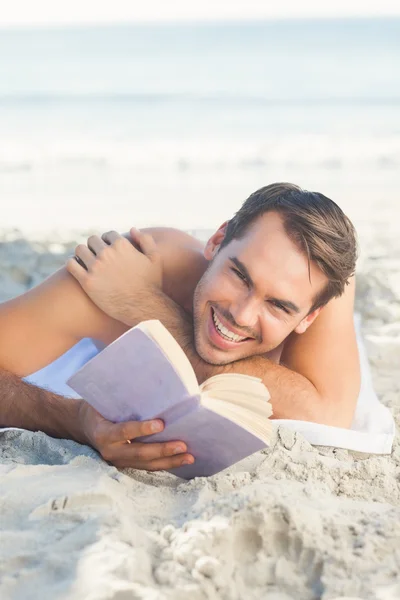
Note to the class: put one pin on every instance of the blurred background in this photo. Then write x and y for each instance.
(116, 115)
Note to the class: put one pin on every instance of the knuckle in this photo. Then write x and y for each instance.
(120, 243)
(126, 432)
(95, 266)
(103, 256)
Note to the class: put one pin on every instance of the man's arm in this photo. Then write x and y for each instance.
(36, 328)
(40, 325)
(293, 396)
(327, 356)
(29, 407)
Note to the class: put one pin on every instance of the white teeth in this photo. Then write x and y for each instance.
(229, 335)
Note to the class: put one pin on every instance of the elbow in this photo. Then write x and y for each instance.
(338, 412)
(322, 410)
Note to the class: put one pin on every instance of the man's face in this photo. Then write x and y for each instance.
(255, 292)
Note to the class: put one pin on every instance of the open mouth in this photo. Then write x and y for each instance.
(222, 336)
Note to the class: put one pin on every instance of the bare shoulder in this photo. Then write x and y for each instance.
(183, 262)
(170, 238)
(327, 354)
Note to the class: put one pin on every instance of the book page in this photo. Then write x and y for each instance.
(173, 351)
(242, 398)
(254, 421)
(235, 386)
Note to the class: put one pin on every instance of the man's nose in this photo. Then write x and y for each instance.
(245, 312)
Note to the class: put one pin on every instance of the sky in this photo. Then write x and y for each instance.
(53, 12)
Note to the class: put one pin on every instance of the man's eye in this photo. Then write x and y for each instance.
(239, 274)
(280, 307)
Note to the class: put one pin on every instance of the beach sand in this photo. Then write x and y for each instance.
(292, 522)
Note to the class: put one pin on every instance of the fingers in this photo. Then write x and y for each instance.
(129, 430)
(96, 244)
(145, 241)
(84, 256)
(76, 269)
(140, 452)
(111, 236)
(141, 241)
(162, 464)
(139, 455)
(80, 262)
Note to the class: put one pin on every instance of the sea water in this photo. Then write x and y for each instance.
(176, 124)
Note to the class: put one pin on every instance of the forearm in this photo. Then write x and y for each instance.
(40, 325)
(29, 407)
(292, 395)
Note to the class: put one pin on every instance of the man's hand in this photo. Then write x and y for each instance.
(113, 272)
(111, 441)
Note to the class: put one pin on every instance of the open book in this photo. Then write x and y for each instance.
(145, 374)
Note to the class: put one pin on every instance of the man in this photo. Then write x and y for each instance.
(262, 280)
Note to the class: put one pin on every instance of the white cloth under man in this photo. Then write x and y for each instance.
(372, 429)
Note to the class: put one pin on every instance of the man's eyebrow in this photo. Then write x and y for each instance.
(287, 304)
(242, 268)
(291, 306)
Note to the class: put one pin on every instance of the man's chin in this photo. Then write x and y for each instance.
(215, 357)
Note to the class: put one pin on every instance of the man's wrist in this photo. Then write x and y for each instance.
(30, 407)
(57, 416)
(74, 423)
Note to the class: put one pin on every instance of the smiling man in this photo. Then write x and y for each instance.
(260, 286)
(247, 302)
(240, 302)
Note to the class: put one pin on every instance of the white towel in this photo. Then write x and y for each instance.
(372, 429)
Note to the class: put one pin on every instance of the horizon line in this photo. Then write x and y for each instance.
(192, 21)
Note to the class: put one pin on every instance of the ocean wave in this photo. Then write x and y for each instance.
(320, 152)
(128, 98)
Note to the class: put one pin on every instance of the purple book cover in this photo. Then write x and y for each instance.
(133, 380)
(215, 442)
(130, 380)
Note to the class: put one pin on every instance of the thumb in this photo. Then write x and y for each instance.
(146, 243)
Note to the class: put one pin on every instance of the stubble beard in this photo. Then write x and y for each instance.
(197, 322)
(197, 330)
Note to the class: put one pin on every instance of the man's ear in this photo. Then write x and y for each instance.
(308, 320)
(215, 241)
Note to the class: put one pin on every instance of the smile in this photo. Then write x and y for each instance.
(224, 332)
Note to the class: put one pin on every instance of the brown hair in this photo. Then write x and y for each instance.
(314, 223)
